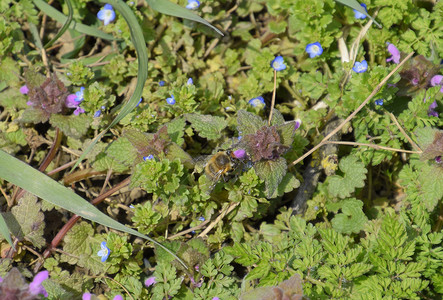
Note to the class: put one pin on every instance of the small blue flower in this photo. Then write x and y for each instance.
(104, 252)
(97, 113)
(79, 96)
(106, 14)
(139, 101)
(278, 63)
(379, 102)
(359, 15)
(171, 100)
(190, 81)
(149, 157)
(201, 219)
(314, 49)
(257, 102)
(161, 83)
(360, 67)
(193, 4)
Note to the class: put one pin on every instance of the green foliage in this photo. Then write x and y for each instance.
(354, 176)
(372, 227)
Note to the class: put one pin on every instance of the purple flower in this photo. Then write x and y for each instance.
(97, 113)
(394, 52)
(71, 101)
(78, 111)
(215, 298)
(118, 297)
(193, 4)
(106, 14)
(278, 64)
(197, 268)
(103, 252)
(359, 15)
(257, 102)
(150, 281)
(379, 102)
(240, 153)
(161, 83)
(297, 124)
(360, 67)
(171, 100)
(314, 49)
(438, 159)
(24, 90)
(437, 80)
(86, 296)
(431, 110)
(35, 287)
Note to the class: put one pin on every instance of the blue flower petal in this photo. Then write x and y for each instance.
(278, 63)
(171, 100)
(104, 252)
(314, 49)
(257, 102)
(106, 14)
(360, 67)
(193, 4)
(359, 15)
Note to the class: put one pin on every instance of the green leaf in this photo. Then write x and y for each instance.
(176, 130)
(4, 230)
(142, 75)
(352, 219)
(431, 185)
(27, 220)
(286, 132)
(272, 173)
(172, 9)
(81, 247)
(355, 5)
(248, 123)
(61, 18)
(354, 177)
(72, 126)
(37, 183)
(207, 126)
(277, 27)
(119, 156)
(260, 271)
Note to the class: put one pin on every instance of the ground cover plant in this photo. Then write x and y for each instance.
(267, 150)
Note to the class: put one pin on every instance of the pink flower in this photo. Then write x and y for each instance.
(35, 287)
(395, 54)
(150, 281)
(24, 90)
(437, 80)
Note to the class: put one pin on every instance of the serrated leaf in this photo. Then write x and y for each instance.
(260, 271)
(286, 132)
(352, 219)
(31, 115)
(207, 126)
(81, 247)
(354, 177)
(29, 219)
(431, 142)
(288, 183)
(176, 130)
(431, 179)
(72, 126)
(277, 27)
(277, 118)
(118, 156)
(248, 123)
(272, 173)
